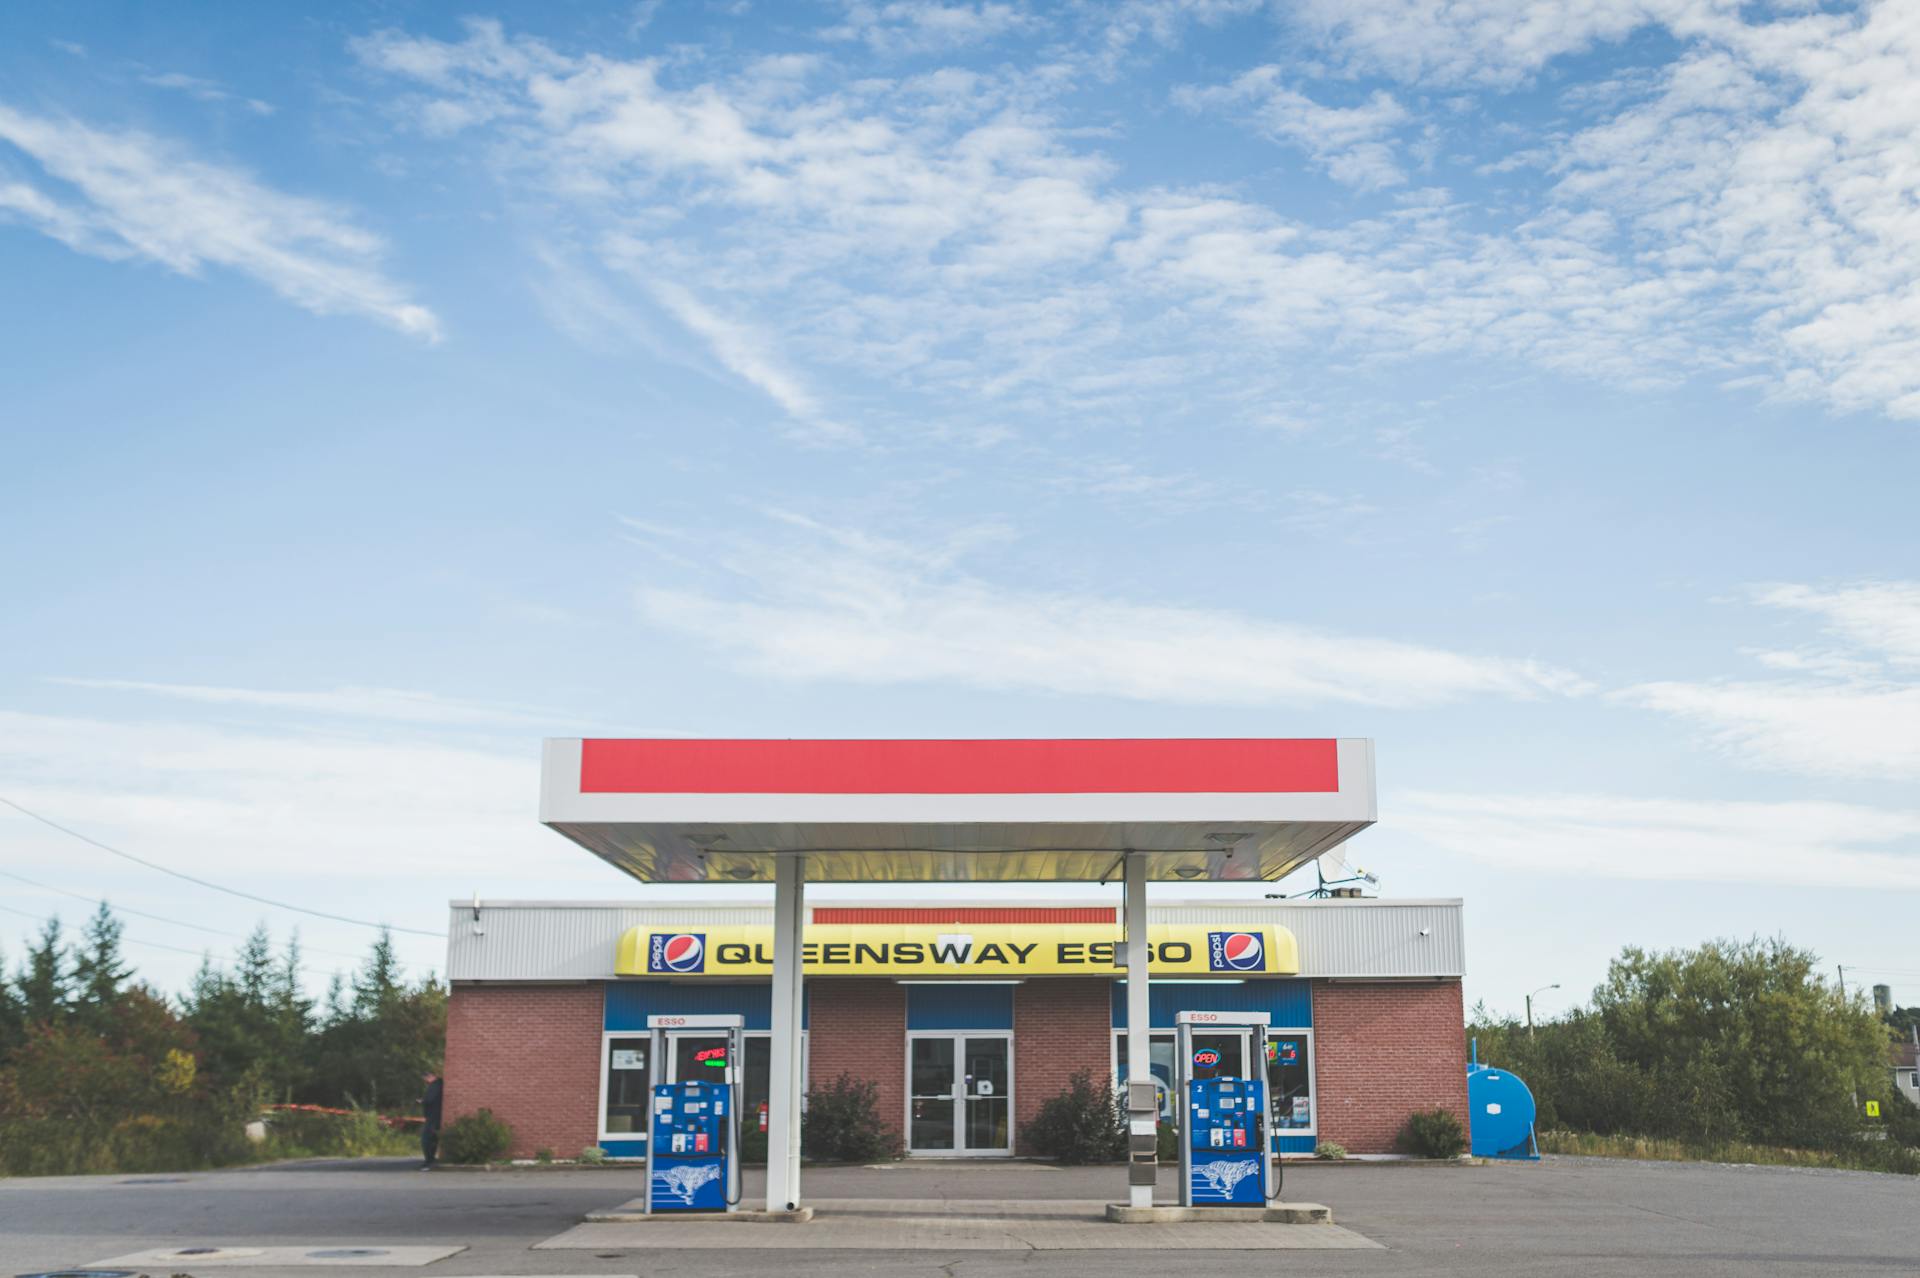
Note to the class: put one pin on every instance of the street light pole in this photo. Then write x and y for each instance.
(1543, 989)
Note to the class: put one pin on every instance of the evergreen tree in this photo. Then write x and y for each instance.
(99, 976)
(45, 991)
(13, 1015)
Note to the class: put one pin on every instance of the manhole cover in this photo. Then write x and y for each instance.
(84, 1273)
(196, 1251)
(346, 1253)
(155, 1180)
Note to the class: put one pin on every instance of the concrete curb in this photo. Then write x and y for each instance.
(634, 1213)
(1278, 1214)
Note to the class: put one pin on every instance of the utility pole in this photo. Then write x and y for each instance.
(1842, 969)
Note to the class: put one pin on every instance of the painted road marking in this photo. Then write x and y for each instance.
(370, 1255)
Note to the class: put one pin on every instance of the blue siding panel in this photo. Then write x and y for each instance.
(1288, 1001)
(630, 1003)
(959, 1007)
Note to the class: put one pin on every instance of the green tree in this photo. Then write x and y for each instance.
(45, 990)
(252, 1024)
(376, 1042)
(13, 1015)
(98, 974)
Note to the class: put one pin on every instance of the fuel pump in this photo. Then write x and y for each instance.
(1225, 1122)
(693, 1126)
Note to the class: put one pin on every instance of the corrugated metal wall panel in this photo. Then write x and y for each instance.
(566, 942)
(959, 1007)
(963, 914)
(1289, 1003)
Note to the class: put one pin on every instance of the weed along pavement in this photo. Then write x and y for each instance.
(1561, 1216)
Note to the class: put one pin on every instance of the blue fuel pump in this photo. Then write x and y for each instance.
(1225, 1116)
(693, 1128)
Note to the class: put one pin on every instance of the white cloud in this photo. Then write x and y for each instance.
(203, 90)
(1351, 143)
(859, 609)
(1744, 210)
(1851, 713)
(1611, 836)
(746, 352)
(1498, 43)
(925, 26)
(359, 703)
(128, 195)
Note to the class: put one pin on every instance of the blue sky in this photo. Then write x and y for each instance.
(1531, 388)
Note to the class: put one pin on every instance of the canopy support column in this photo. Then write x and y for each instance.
(783, 1103)
(1143, 1111)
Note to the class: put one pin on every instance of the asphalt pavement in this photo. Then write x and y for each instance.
(1560, 1216)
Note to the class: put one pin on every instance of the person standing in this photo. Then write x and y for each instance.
(430, 1113)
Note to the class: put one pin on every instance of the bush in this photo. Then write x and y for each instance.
(843, 1125)
(753, 1143)
(1166, 1143)
(478, 1137)
(1330, 1149)
(1083, 1124)
(293, 1133)
(593, 1155)
(1433, 1133)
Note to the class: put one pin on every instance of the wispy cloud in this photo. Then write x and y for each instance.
(747, 353)
(1850, 712)
(203, 90)
(127, 195)
(1352, 143)
(926, 26)
(357, 703)
(1633, 837)
(859, 609)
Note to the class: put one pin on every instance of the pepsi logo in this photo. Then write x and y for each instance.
(1236, 952)
(680, 952)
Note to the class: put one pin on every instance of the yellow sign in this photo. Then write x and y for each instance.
(1873, 1109)
(959, 950)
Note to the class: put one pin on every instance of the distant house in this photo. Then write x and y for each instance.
(1905, 1058)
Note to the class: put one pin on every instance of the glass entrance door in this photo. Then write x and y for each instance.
(960, 1094)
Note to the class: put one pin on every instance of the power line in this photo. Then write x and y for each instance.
(132, 940)
(179, 874)
(157, 918)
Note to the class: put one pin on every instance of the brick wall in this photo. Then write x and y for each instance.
(531, 1054)
(1383, 1051)
(858, 1026)
(1060, 1027)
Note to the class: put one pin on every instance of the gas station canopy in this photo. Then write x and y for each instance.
(1224, 809)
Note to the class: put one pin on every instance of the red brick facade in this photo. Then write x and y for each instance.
(1383, 1050)
(531, 1054)
(859, 1027)
(1060, 1027)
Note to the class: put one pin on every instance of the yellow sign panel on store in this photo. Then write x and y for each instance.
(959, 950)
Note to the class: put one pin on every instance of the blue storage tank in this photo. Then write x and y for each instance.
(1503, 1111)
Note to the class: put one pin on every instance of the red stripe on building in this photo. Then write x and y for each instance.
(855, 914)
(1195, 766)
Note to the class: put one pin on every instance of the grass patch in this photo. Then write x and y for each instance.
(1881, 1156)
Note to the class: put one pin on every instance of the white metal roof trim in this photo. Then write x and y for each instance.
(570, 941)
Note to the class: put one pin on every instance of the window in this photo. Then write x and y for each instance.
(628, 1076)
(626, 1088)
(1289, 1071)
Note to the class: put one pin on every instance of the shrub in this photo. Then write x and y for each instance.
(593, 1155)
(293, 1133)
(843, 1125)
(1083, 1124)
(1433, 1133)
(1330, 1149)
(753, 1144)
(543, 1155)
(478, 1137)
(1166, 1143)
